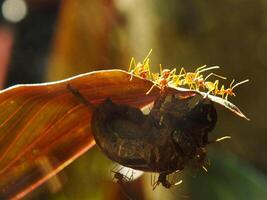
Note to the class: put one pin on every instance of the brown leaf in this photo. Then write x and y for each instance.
(47, 122)
(44, 127)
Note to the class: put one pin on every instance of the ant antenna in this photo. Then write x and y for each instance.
(240, 83)
(219, 139)
(223, 138)
(212, 74)
(206, 69)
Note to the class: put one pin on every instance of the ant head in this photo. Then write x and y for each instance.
(190, 76)
(230, 92)
(166, 73)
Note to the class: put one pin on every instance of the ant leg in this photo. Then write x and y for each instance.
(231, 84)
(160, 69)
(147, 57)
(147, 68)
(80, 97)
(182, 71)
(173, 72)
(131, 178)
(207, 94)
(147, 93)
(132, 63)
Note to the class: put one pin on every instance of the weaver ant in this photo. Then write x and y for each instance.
(162, 79)
(120, 177)
(140, 69)
(213, 87)
(192, 79)
(229, 91)
(201, 82)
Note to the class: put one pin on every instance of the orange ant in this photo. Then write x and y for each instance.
(201, 82)
(213, 87)
(177, 79)
(192, 78)
(229, 91)
(140, 69)
(162, 79)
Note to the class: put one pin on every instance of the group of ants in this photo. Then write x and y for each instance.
(168, 78)
(193, 80)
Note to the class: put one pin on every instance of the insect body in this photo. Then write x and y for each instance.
(162, 79)
(191, 78)
(173, 135)
(169, 138)
(140, 69)
(214, 88)
(229, 91)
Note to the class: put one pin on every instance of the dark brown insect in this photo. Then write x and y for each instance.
(172, 136)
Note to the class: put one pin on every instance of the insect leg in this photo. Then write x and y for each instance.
(147, 57)
(80, 97)
(130, 70)
(147, 93)
(182, 71)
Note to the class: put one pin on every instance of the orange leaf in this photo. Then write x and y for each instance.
(46, 123)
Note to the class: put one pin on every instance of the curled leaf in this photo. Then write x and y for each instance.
(44, 127)
(227, 104)
(46, 122)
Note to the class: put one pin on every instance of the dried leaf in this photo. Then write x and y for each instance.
(44, 127)
(46, 122)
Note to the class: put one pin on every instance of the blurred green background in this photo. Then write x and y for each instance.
(44, 40)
